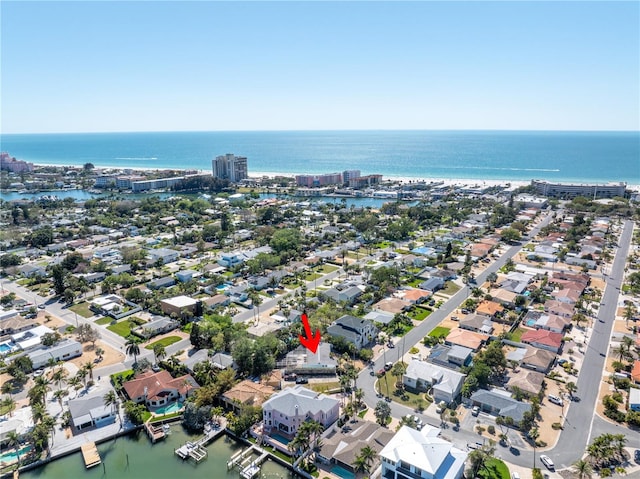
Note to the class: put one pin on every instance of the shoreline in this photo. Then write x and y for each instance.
(446, 181)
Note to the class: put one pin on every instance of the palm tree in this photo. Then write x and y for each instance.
(74, 382)
(583, 469)
(111, 399)
(368, 455)
(133, 349)
(59, 394)
(314, 429)
(10, 404)
(89, 366)
(99, 352)
(58, 376)
(534, 434)
(159, 352)
(359, 464)
(13, 440)
(571, 388)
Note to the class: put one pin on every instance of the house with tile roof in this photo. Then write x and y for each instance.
(490, 309)
(392, 305)
(538, 359)
(559, 308)
(421, 454)
(467, 339)
(635, 372)
(284, 412)
(246, 393)
(529, 382)
(415, 295)
(159, 388)
(544, 339)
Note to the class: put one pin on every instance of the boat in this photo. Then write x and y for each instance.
(166, 428)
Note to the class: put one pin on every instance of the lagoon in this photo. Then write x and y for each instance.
(134, 457)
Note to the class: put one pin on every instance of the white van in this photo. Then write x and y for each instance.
(556, 400)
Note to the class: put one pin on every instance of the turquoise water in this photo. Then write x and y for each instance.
(134, 457)
(342, 472)
(505, 155)
(169, 408)
(12, 456)
(280, 438)
(531, 323)
(4, 348)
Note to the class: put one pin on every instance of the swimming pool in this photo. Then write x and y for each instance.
(11, 456)
(169, 408)
(4, 348)
(342, 472)
(280, 438)
(531, 322)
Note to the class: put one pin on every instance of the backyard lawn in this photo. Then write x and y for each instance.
(324, 387)
(439, 332)
(517, 334)
(410, 399)
(105, 320)
(82, 309)
(122, 328)
(169, 340)
(326, 268)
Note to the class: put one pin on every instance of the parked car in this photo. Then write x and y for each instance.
(546, 460)
(515, 475)
(556, 400)
(388, 366)
(381, 372)
(301, 380)
(38, 373)
(475, 411)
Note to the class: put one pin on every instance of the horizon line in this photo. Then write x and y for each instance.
(324, 130)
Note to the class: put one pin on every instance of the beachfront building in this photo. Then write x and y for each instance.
(311, 181)
(8, 163)
(230, 167)
(421, 454)
(571, 190)
(285, 411)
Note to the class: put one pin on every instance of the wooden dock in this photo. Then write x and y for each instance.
(90, 454)
(196, 450)
(249, 468)
(155, 433)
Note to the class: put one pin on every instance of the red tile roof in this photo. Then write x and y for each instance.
(156, 383)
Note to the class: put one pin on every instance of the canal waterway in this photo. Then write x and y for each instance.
(134, 457)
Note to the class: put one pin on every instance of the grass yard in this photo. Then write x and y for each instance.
(324, 387)
(312, 276)
(122, 328)
(23, 281)
(419, 313)
(327, 268)
(82, 309)
(104, 321)
(517, 334)
(414, 283)
(494, 469)
(439, 332)
(169, 340)
(450, 288)
(410, 399)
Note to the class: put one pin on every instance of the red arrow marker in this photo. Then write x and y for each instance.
(311, 341)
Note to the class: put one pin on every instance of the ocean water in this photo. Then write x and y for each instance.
(491, 155)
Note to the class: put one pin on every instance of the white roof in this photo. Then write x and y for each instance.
(424, 450)
(180, 301)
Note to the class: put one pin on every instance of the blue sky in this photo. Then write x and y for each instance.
(165, 66)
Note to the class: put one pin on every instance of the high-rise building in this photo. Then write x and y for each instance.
(230, 167)
(349, 175)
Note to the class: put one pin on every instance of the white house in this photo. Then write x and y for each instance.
(421, 454)
(355, 330)
(91, 411)
(446, 382)
(61, 351)
(284, 412)
(165, 255)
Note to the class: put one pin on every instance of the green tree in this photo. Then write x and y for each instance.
(583, 469)
(132, 348)
(382, 412)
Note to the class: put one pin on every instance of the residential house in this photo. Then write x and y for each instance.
(499, 403)
(159, 388)
(392, 305)
(529, 382)
(544, 339)
(179, 305)
(453, 357)
(16, 324)
(284, 412)
(161, 283)
(246, 393)
(187, 275)
(446, 383)
(113, 305)
(559, 308)
(303, 361)
(381, 317)
(432, 284)
(90, 411)
(634, 399)
(421, 454)
(287, 317)
(217, 300)
(566, 295)
(414, 295)
(218, 360)
(62, 351)
(157, 325)
(490, 309)
(538, 359)
(505, 297)
(477, 323)
(575, 261)
(163, 255)
(349, 295)
(31, 271)
(635, 372)
(343, 446)
(468, 339)
(20, 422)
(357, 331)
